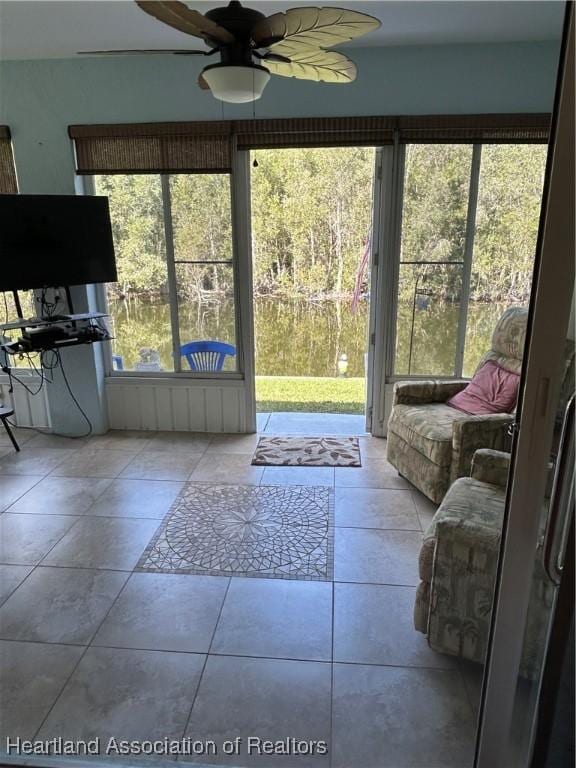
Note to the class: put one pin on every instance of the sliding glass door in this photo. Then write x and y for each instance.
(540, 503)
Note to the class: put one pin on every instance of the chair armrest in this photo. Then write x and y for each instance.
(462, 592)
(472, 534)
(490, 466)
(472, 432)
(462, 587)
(429, 391)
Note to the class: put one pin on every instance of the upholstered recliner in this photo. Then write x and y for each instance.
(458, 563)
(429, 442)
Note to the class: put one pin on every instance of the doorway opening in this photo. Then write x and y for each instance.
(311, 243)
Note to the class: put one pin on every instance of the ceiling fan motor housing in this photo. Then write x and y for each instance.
(248, 84)
(240, 22)
(237, 19)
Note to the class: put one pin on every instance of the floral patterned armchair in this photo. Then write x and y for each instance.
(432, 444)
(458, 562)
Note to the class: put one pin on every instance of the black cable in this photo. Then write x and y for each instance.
(40, 430)
(38, 371)
(45, 365)
(73, 396)
(28, 389)
(49, 366)
(47, 308)
(56, 361)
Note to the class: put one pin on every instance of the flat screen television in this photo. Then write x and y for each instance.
(55, 240)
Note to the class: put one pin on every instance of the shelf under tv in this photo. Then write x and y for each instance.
(34, 322)
(23, 346)
(57, 332)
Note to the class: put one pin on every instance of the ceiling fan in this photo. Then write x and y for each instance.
(253, 46)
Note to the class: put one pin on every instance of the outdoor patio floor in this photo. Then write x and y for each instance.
(295, 423)
(89, 647)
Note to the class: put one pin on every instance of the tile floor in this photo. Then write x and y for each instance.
(88, 647)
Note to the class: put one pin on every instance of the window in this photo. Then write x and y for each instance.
(436, 189)
(507, 216)
(455, 280)
(202, 226)
(173, 241)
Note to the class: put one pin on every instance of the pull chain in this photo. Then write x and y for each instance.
(254, 162)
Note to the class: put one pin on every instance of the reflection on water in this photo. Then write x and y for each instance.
(435, 335)
(301, 338)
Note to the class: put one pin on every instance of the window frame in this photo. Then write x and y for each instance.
(465, 264)
(179, 372)
(394, 254)
(390, 199)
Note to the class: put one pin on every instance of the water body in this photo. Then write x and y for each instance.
(303, 338)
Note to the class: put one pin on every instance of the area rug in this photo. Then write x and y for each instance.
(281, 532)
(308, 452)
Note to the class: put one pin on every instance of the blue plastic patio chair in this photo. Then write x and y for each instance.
(207, 355)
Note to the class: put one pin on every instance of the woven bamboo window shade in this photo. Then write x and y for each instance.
(314, 132)
(202, 147)
(469, 129)
(206, 147)
(8, 184)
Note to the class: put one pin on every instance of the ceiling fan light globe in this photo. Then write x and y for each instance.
(236, 84)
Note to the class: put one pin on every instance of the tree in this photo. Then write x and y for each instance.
(138, 230)
(311, 213)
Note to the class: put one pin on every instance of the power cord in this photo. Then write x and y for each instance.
(48, 308)
(12, 377)
(73, 396)
(50, 365)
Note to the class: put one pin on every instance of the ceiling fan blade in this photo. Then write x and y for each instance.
(145, 51)
(179, 16)
(315, 27)
(272, 57)
(315, 64)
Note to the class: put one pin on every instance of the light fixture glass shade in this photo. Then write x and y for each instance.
(236, 84)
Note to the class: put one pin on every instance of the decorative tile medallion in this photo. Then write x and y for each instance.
(307, 452)
(283, 532)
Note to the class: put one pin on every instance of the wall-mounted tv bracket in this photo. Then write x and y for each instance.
(18, 305)
(69, 299)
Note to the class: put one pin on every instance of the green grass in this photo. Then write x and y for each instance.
(304, 393)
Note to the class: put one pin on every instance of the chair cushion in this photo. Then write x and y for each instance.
(470, 500)
(427, 428)
(509, 335)
(492, 390)
(508, 340)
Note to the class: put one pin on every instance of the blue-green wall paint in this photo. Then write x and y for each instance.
(39, 99)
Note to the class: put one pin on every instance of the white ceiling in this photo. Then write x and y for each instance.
(48, 29)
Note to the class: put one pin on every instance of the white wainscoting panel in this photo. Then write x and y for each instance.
(29, 410)
(174, 404)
